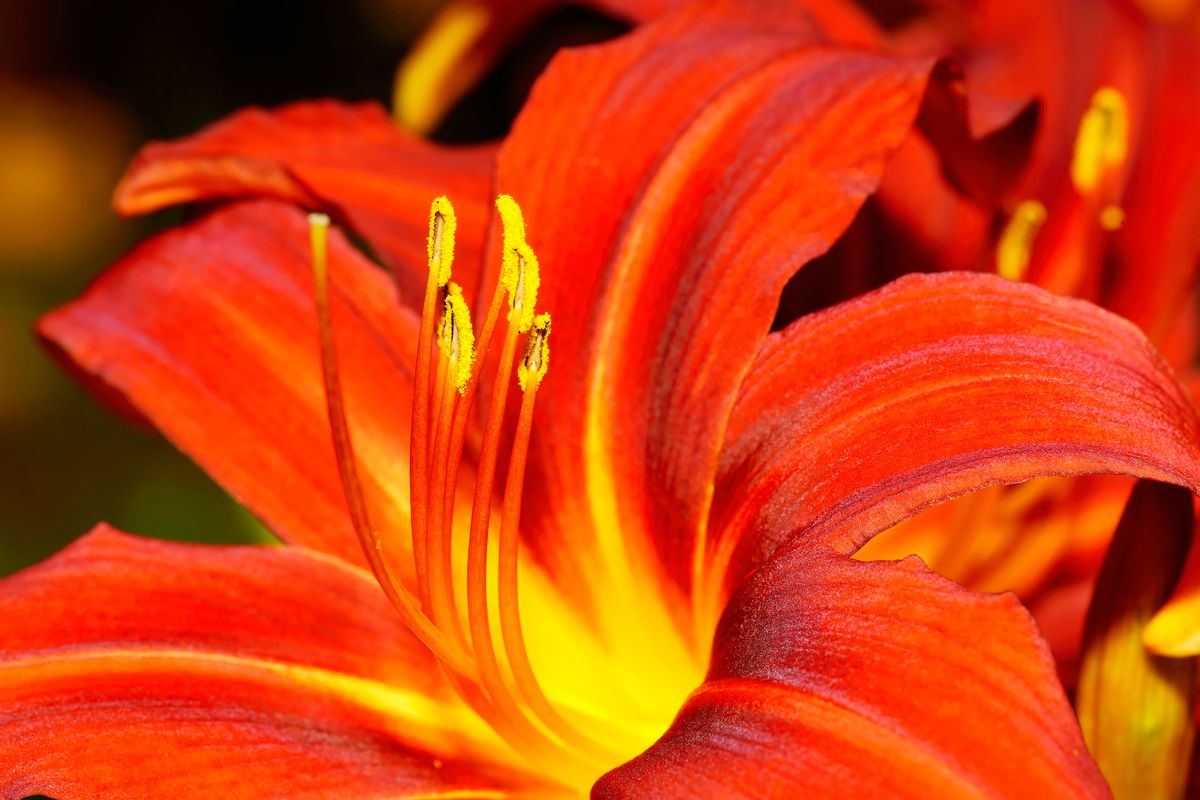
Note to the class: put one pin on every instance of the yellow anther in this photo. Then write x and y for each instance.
(518, 266)
(537, 354)
(1112, 218)
(524, 295)
(1102, 140)
(456, 337)
(1016, 242)
(511, 220)
(442, 225)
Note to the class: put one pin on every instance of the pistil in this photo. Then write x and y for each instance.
(372, 546)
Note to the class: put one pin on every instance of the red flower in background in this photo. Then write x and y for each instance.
(695, 484)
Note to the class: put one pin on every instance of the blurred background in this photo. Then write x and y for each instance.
(82, 85)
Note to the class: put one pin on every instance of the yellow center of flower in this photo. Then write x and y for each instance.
(474, 626)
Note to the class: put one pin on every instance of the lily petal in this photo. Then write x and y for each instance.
(932, 387)
(122, 651)
(689, 218)
(288, 605)
(836, 678)
(209, 330)
(350, 160)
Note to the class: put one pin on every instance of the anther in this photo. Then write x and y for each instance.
(458, 339)
(442, 227)
(1016, 242)
(519, 273)
(537, 355)
(1101, 142)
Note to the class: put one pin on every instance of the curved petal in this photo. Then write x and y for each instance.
(728, 149)
(932, 387)
(350, 160)
(282, 604)
(210, 331)
(836, 678)
(240, 671)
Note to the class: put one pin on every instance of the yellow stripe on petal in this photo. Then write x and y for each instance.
(434, 725)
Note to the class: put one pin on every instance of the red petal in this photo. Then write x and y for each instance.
(280, 604)
(726, 151)
(936, 385)
(835, 678)
(348, 159)
(136, 668)
(210, 331)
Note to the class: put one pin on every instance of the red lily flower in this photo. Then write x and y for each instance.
(685, 463)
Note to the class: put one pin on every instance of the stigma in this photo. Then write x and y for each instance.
(481, 644)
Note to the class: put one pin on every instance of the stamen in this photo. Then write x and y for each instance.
(530, 373)
(442, 226)
(477, 545)
(456, 341)
(369, 539)
(1016, 242)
